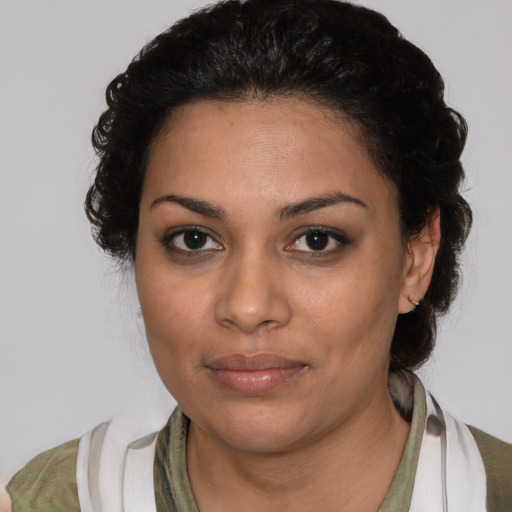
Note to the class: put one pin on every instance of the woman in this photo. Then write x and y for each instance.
(284, 177)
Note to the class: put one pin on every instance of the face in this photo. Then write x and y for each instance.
(269, 265)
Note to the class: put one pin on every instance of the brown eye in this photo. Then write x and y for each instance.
(194, 239)
(191, 240)
(317, 240)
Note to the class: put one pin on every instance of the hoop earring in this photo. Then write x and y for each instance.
(415, 303)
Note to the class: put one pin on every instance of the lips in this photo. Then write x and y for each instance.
(254, 374)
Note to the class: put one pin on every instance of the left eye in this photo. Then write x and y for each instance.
(316, 241)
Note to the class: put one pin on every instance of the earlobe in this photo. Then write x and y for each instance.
(419, 262)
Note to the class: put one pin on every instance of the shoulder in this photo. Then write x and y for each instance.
(47, 482)
(497, 459)
(172, 487)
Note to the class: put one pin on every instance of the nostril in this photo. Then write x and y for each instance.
(249, 316)
(250, 298)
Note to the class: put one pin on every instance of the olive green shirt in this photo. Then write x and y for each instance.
(48, 482)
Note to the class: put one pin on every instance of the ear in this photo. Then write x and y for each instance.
(419, 262)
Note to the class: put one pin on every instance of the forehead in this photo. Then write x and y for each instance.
(284, 149)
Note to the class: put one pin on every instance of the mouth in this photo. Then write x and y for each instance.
(254, 374)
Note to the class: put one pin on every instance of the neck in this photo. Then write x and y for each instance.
(332, 471)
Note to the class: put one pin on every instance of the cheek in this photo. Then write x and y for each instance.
(174, 331)
(355, 310)
(174, 310)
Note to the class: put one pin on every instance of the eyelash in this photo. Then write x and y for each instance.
(168, 239)
(340, 238)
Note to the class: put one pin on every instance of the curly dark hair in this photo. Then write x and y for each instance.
(343, 56)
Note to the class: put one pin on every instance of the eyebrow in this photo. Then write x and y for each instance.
(287, 212)
(194, 205)
(315, 203)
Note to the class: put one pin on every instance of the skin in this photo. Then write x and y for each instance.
(5, 500)
(256, 287)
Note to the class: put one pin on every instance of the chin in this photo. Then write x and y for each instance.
(260, 429)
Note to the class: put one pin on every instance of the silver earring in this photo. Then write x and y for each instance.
(415, 303)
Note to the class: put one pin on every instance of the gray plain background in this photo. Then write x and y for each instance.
(71, 349)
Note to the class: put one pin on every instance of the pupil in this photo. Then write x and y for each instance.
(317, 240)
(194, 239)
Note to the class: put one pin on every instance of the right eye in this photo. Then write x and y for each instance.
(191, 240)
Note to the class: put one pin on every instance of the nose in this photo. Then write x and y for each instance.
(252, 297)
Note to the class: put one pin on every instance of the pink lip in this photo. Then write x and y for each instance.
(254, 374)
